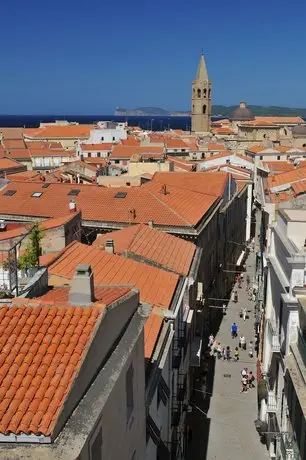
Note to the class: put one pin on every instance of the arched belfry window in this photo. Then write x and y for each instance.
(199, 92)
(204, 92)
(193, 109)
(204, 109)
(193, 91)
(209, 92)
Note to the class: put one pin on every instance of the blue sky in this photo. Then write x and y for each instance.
(87, 57)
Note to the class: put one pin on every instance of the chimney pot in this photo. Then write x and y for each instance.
(150, 223)
(82, 286)
(109, 246)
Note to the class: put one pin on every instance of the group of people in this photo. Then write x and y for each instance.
(219, 351)
(242, 340)
(247, 380)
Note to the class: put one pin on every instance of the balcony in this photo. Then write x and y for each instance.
(272, 402)
(288, 448)
(274, 338)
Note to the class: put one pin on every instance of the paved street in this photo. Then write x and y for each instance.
(228, 432)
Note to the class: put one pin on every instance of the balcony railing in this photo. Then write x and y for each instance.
(274, 338)
(288, 447)
(272, 402)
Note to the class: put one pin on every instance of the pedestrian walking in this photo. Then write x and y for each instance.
(244, 313)
(243, 342)
(234, 330)
(219, 351)
(248, 282)
(244, 372)
(244, 382)
(251, 379)
(210, 340)
(228, 353)
(240, 341)
(236, 354)
(251, 350)
(224, 308)
(236, 296)
(224, 353)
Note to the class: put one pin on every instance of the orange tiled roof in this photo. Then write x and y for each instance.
(225, 153)
(43, 145)
(151, 332)
(12, 133)
(14, 233)
(125, 152)
(280, 197)
(96, 147)
(176, 143)
(287, 177)
(181, 163)
(41, 352)
(104, 295)
(14, 144)
(200, 182)
(47, 259)
(299, 187)
(57, 221)
(130, 141)
(95, 161)
(282, 120)
(58, 132)
(25, 175)
(7, 163)
(178, 207)
(156, 286)
(18, 154)
(278, 166)
(165, 250)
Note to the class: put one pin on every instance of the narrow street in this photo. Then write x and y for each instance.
(228, 431)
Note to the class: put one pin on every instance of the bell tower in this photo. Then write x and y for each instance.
(201, 100)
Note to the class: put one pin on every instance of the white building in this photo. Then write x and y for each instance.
(286, 277)
(107, 132)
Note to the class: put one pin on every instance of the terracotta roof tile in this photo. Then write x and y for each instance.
(181, 163)
(282, 120)
(12, 133)
(179, 207)
(18, 154)
(28, 404)
(151, 332)
(176, 143)
(278, 166)
(165, 250)
(299, 188)
(200, 182)
(156, 286)
(125, 152)
(14, 144)
(51, 153)
(57, 221)
(25, 175)
(286, 178)
(216, 147)
(130, 141)
(7, 163)
(96, 147)
(58, 132)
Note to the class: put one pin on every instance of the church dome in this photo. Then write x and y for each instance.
(242, 113)
(299, 130)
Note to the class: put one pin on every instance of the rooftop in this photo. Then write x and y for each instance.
(165, 250)
(41, 351)
(127, 151)
(156, 286)
(59, 131)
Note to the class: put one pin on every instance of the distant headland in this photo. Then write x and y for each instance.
(217, 110)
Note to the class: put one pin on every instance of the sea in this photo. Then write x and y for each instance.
(155, 123)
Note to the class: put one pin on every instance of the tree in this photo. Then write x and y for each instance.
(30, 258)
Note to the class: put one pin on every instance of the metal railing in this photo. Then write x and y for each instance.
(272, 402)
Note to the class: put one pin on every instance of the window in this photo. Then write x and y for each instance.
(10, 192)
(46, 185)
(114, 138)
(56, 161)
(89, 154)
(204, 109)
(209, 92)
(46, 161)
(199, 92)
(74, 192)
(117, 161)
(128, 184)
(37, 162)
(96, 447)
(129, 377)
(261, 157)
(102, 138)
(36, 194)
(204, 92)
(278, 157)
(120, 195)
(98, 154)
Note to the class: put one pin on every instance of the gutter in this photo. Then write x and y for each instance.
(195, 265)
(176, 303)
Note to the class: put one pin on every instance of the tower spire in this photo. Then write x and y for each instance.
(202, 71)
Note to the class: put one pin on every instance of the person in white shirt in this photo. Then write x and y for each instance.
(244, 314)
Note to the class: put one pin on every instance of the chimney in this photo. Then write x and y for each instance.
(82, 286)
(150, 223)
(109, 246)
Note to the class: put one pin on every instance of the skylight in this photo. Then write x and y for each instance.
(74, 192)
(36, 194)
(46, 185)
(121, 195)
(10, 192)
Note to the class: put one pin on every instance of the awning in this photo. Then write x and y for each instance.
(240, 258)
